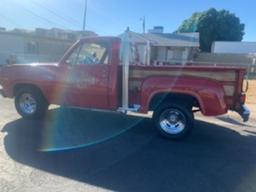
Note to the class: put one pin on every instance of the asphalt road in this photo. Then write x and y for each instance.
(74, 150)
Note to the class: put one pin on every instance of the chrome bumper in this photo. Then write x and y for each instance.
(245, 113)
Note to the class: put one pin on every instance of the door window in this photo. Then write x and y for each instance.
(90, 54)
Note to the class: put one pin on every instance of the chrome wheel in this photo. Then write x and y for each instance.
(172, 121)
(27, 104)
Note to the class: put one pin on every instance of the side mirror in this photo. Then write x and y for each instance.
(68, 62)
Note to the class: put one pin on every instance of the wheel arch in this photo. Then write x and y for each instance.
(187, 99)
(17, 87)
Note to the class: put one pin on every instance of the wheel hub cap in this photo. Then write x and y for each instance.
(172, 121)
(27, 104)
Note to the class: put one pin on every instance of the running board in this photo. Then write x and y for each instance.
(135, 108)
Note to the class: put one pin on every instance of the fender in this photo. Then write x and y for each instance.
(41, 76)
(210, 94)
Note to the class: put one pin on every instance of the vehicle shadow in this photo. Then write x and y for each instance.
(228, 119)
(130, 156)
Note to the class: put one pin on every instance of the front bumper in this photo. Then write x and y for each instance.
(244, 113)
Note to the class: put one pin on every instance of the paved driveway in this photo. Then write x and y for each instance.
(75, 150)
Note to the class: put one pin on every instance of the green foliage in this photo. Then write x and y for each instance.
(213, 26)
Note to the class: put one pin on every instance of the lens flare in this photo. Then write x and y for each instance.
(69, 129)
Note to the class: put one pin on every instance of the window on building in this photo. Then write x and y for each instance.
(32, 47)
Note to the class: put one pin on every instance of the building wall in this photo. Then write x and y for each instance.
(30, 48)
(234, 47)
(238, 60)
(240, 54)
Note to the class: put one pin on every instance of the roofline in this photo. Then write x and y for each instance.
(235, 42)
(33, 36)
(99, 37)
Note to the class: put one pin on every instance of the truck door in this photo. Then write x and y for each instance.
(88, 75)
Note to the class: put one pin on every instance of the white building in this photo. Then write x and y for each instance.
(234, 47)
(41, 45)
(163, 48)
(26, 48)
(239, 54)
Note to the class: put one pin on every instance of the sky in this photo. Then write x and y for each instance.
(112, 17)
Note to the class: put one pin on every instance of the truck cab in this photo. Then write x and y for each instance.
(88, 73)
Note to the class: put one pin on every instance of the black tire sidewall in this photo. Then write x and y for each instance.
(40, 100)
(188, 114)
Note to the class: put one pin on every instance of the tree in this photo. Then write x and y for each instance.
(213, 26)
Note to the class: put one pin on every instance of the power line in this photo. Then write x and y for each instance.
(8, 19)
(68, 20)
(41, 17)
(46, 20)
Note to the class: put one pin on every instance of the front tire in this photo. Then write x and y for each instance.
(173, 121)
(30, 103)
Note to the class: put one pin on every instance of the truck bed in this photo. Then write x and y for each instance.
(231, 78)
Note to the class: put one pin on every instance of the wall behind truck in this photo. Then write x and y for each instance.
(234, 47)
(26, 48)
(239, 60)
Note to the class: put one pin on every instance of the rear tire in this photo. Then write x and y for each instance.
(173, 121)
(30, 103)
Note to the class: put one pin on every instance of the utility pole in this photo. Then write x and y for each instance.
(85, 15)
(143, 19)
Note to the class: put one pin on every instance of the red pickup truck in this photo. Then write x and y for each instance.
(92, 75)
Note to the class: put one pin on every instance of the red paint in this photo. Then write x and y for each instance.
(99, 86)
(209, 94)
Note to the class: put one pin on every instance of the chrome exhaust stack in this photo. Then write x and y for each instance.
(126, 57)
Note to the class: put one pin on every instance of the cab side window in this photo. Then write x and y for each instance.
(90, 54)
